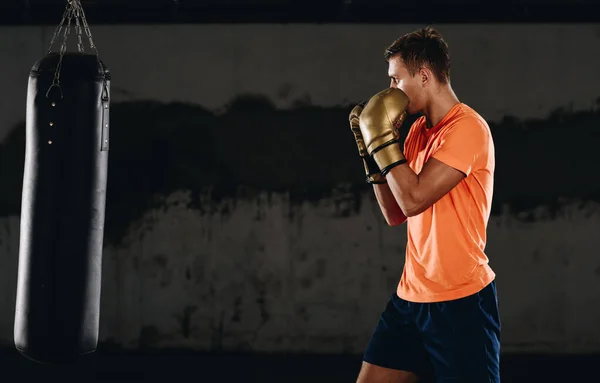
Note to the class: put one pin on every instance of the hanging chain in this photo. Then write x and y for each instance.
(74, 10)
(80, 47)
(59, 28)
(88, 33)
(68, 15)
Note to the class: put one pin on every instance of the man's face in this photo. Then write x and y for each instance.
(411, 85)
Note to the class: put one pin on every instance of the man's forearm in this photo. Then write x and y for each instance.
(415, 193)
(389, 206)
(403, 184)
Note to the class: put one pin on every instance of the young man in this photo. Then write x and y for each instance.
(443, 319)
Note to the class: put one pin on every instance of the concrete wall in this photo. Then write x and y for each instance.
(272, 241)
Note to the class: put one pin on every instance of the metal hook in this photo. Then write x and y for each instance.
(105, 96)
(52, 86)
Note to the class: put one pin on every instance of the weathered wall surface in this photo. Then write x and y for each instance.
(237, 213)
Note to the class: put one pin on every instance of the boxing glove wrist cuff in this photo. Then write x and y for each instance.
(386, 170)
(388, 156)
(372, 171)
(376, 179)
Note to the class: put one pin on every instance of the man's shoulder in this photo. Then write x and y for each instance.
(469, 115)
(468, 118)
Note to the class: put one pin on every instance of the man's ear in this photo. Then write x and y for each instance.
(424, 76)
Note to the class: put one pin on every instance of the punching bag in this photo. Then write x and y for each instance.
(63, 207)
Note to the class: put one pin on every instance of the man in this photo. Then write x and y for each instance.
(443, 318)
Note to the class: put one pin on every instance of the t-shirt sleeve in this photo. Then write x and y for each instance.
(464, 144)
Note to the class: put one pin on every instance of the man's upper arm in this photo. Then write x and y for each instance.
(463, 144)
(454, 159)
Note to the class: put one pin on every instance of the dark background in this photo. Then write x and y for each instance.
(544, 171)
(311, 11)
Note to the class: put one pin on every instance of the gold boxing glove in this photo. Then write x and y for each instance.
(372, 171)
(379, 123)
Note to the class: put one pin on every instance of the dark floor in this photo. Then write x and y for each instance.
(177, 366)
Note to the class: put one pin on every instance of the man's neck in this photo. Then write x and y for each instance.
(439, 105)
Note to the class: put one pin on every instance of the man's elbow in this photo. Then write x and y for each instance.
(415, 210)
(395, 219)
(414, 206)
(396, 222)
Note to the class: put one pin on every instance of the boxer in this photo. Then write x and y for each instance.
(442, 320)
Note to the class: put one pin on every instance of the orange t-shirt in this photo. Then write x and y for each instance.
(445, 256)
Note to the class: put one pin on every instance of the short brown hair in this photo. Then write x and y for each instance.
(423, 47)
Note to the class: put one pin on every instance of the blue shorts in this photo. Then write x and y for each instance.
(453, 341)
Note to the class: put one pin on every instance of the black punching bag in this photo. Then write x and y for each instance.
(63, 206)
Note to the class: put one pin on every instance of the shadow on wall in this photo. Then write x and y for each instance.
(306, 152)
